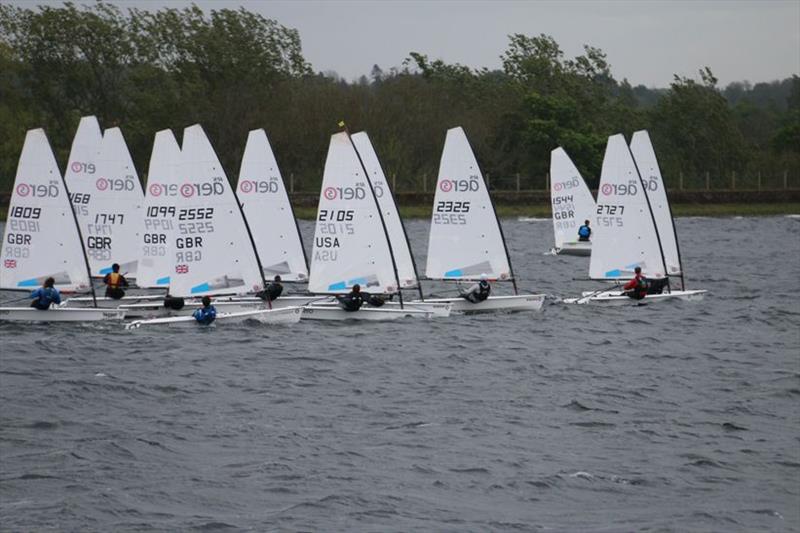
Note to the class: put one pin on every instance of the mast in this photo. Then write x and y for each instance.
(80, 238)
(380, 213)
(652, 216)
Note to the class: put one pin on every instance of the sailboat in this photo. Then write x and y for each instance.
(466, 240)
(107, 196)
(42, 238)
(213, 252)
(572, 204)
(351, 242)
(404, 259)
(153, 250)
(627, 235)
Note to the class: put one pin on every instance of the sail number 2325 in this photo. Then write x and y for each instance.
(449, 212)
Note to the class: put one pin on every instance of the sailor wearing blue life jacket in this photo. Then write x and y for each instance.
(46, 295)
(479, 291)
(584, 232)
(206, 314)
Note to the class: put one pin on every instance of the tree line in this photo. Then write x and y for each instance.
(234, 70)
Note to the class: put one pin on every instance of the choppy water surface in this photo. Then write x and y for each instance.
(669, 417)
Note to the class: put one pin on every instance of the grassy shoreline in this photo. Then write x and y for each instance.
(543, 211)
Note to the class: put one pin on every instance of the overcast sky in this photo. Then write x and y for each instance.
(646, 41)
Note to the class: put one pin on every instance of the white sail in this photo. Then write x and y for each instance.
(113, 227)
(212, 252)
(265, 201)
(465, 239)
(350, 246)
(645, 157)
(572, 203)
(160, 216)
(107, 196)
(391, 216)
(41, 239)
(624, 235)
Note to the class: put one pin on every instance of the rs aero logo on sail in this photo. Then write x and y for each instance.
(359, 192)
(259, 186)
(115, 184)
(566, 185)
(471, 184)
(188, 190)
(38, 191)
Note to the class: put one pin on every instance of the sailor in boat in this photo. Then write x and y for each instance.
(353, 300)
(479, 291)
(272, 291)
(114, 282)
(637, 287)
(174, 302)
(584, 232)
(374, 300)
(46, 295)
(206, 314)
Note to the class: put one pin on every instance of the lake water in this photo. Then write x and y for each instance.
(677, 416)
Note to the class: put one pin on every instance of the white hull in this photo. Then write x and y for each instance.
(439, 310)
(374, 314)
(583, 249)
(494, 304)
(59, 314)
(111, 303)
(616, 298)
(157, 310)
(288, 315)
(280, 303)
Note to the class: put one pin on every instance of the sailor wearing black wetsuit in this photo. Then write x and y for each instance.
(478, 292)
(353, 300)
(272, 291)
